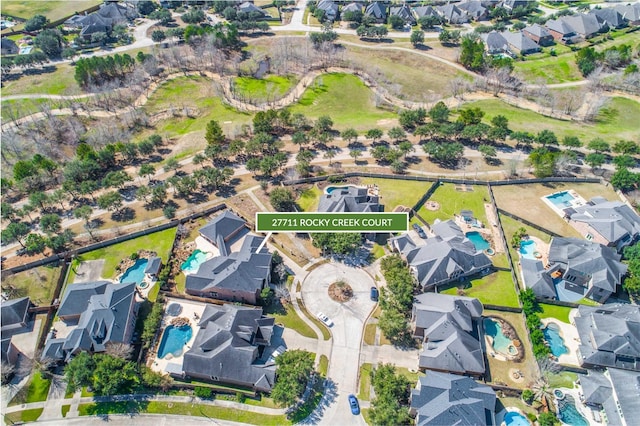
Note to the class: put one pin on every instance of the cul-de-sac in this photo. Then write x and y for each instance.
(324, 212)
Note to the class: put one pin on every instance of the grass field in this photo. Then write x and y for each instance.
(560, 313)
(59, 82)
(564, 379)
(326, 334)
(269, 88)
(550, 69)
(52, 9)
(615, 120)
(345, 99)
(452, 201)
(160, 242)
(395, 193)
(495, 289)
(309, 199)
(525, 201)
(37, 283)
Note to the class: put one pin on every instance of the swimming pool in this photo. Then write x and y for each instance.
(135, 273)
(513, 418)
(330, 189)
(528, 249)
(192, 264)
(173, 340)
(569, 414)
(501, 343)
(556, 342)
(561, 199)
(478, 240)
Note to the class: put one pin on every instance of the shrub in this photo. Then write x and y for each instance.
(527, 396)
(169, 212)
(202, 392)
(240, 397)
(134, 256)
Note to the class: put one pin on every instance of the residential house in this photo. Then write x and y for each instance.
(615, 392)
(95, 314)
(352, 7)
(330, 9)
(422, 11)
(630, 12)
(447, 257)
(609, 336)
(222, 230)
(229, 348)
(449, 329)
(586, 25)
(612, 223)
(496, 44)
(452, 14)
(403, 12)
(510, 5)
(103, 20)
(537, 278)
(152, 269)
(611, 16)
(14, 316)
(520, 43)
(539, 34)
(377, 10)
(475, 10)
(252, 10)
(8, 352)
(8, 46)
(236, 277)
(562, 32)
(350, 199)
(448, 399)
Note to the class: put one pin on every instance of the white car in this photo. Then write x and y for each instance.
(325, 319)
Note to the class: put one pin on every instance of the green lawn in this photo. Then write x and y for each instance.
(615, 120)
(550, 69)
(288, 317)
(25, 416)
(370, 334)
(52, 9)
(269, 88)
(324, 365)
(326, 334)
(563, 379)
(345, 99)
(378, 251)
(560, 313)
(65, 409)
(412, 376)
(37, 390)
(59, 82)
(309, 199)
(160, 242)
(365, 382)
(395, 193)
(37, 283)
(452, 201)
(495, 289)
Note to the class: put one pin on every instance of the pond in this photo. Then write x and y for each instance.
(135, 273)
(501, 343)
(478, 240)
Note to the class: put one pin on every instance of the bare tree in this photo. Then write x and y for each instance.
(119, 350)
(37, 364)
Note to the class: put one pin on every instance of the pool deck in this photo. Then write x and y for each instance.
(576, 202)
(189, 310)
(571, 340)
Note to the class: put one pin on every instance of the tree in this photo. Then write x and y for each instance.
(488, 152)
(36, 23)
(547, 418)
(417, 37)
(599, 145)
(15, 231)
(355, 154)
(396, 22)
(194, 16)
(113, 376)
(300, 139)
(119, 350)
(594, 159)
(439, 113)
(523, 138)
(471, 116)
(110, 201)
(50, 223)
(116, 179)
(393, 324)
(624, 180)
(449, 37)
(162, 15)
(79, 371)
(330, 154)
(35, 243)
(147, 170)
(158, 35)
(446, 153)
(543, 162)
(214, 134)
(587, 59)
(145, 7)
(323, 124)
(253, 164)
(171, 163)
(373, 134)
(84, 212)
(571, 141)
(282, 200)
(472, 53)
(349, 135)
(547, 137)
(428, 22)
(294, 369)
(396, 133)
(7, 212)
(625, 147)
(624, 161)
(389, 407)
(343, 243)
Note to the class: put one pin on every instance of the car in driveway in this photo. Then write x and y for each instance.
(353, 404)
(325, 319)
(374, 294)
(419, 230)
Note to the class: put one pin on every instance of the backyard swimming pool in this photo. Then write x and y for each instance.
(561, 199)
(135, 273)
(513, 418)
(173, 340)
(528, 249)
(501, 343)
(478, 240)
(569, 414)
(192, 264)
(556, 342)
(330, 189)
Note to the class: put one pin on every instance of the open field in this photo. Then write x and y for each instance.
(52, 9)
(345, 99)
(496, 288)
(398, 193)
(37, 283)
(160, 242)
(524, 201)
(59, 82)
(269, 88)
(452, 201)
(615, 120)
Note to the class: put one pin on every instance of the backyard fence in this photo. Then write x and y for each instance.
(501, 308)
(557, 302)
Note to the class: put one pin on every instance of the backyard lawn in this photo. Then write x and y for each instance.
(615, 120)
(309, 199)
(560, 313)
(345, 99)
(37, 283)
(494, 289)
(395, 193)
(269, 88)
(160, 242)
(564, 379)
(452, 201)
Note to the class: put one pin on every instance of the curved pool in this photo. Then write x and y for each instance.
(501, 343)
(569, 414)
(556, 342)
(173, 340)
(478, 240)
(513, 418)
(192, 264)
(135, 273)
(528, 249)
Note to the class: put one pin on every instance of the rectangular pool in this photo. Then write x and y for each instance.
(561, 199)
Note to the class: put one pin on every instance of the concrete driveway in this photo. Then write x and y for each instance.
(348, 319)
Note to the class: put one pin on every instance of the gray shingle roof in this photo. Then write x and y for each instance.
(430, 307)
(248, 7)
(613, 220)
(585, 25)
(495, 42)
(453, 14)
(376, 9)
(76, 297)
(349, 199)
(537, 278)
(352, 7)
(421, 11)
(474, 8)
(611, 16)
(537, 30)
(609, 336)
(447, 399)
(520, 42)
(226, 347)
(244, 270)
(560, 26)
(629, 12)
(153, 265)
(446, 256)
(627, 388)
(222, 228)
(596, 388)
(14, 315)
(404, 12)
(330, 9)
